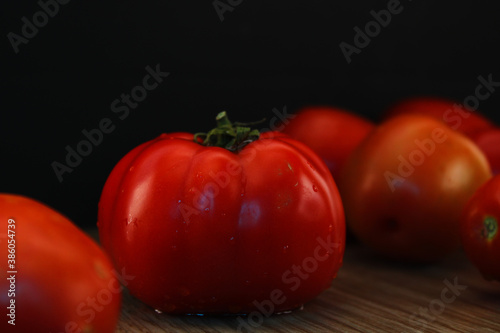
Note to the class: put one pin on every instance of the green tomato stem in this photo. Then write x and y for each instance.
(490, 227)
(232, 137)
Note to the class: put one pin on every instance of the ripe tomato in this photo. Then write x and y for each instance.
(405, 184)
(479, 229)
(448, 111)
(489, 143)
(209, 230)
(57, 279)
(330, 132)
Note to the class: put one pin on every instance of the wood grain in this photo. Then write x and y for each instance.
(368, 295)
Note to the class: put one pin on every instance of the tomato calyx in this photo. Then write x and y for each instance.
(490, 228)
(231, 136)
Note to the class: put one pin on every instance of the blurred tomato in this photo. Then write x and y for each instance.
(56, 278)
(448, 111)
(330, 132)
(489, 142)
(404, 187)
(479, 229)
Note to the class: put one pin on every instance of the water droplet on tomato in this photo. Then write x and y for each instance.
(311, 166)
(158, 311)
(315, 188)
(285, 249)
(232, 241)
(131, 220)
(207, 209)
(131, 168)
(330, 227)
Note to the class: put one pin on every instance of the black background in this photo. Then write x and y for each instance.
(264, 55)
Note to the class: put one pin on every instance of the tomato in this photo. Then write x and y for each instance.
(452, 113)
(489, 143)
(330, 132)
(57, 279)
(404, 186)
(207, 229)
(479, 229)
(472, 124)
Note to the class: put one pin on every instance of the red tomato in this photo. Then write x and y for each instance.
(330, 132)
(57, 279)
(489, 142)
(405, 184)
(448, 111)
(208, 230)
(479, 229)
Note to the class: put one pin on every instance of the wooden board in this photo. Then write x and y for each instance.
(368, 295)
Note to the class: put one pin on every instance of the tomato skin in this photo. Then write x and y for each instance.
(489, 143)
(450, 112)
(410, 211)
(330, 132)
(206, 230)
(59, 269)
(479, 229)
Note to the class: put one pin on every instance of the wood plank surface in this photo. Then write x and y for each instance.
(368, 295)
